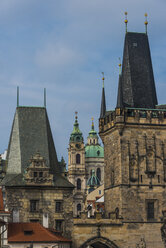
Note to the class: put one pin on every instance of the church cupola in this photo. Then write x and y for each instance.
(76, 135)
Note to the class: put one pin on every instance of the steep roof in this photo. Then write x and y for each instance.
(28, 232)
(137, 82)
(31, 133)
(103, 104)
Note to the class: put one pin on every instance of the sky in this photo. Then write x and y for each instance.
(64, 46)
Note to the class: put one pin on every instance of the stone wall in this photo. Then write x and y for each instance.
(19, 199)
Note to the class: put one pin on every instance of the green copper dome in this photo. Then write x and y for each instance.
(76, 135)
(94, 151)
(92, 148)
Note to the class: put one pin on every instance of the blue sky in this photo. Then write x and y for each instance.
(63, 46)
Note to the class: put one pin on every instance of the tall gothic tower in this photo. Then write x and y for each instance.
(134, 137)
(76, 167)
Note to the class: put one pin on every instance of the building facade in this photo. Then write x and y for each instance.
(36, 190)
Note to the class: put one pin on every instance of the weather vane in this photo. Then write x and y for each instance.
(126, 21)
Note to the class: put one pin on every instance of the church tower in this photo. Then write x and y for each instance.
(76, 167)
(94, 156)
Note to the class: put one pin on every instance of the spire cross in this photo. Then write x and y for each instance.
(103, 78)
(126, 21)
(146, 22)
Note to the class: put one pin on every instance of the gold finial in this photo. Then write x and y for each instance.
(126, 21)
(146, 22)
(103, 78)
(120, 66)
(76, 113)
(92, 123)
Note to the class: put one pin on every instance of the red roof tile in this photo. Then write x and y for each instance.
(27, 232)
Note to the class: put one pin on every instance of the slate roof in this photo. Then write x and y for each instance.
(103, 104)
(137, 85)
(28, 232)
(31, 133)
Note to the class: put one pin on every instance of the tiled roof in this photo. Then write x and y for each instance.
(32, 232)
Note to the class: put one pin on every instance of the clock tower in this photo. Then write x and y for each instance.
(76, 167)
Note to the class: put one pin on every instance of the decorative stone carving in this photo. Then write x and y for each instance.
(38, 171)
(133, 168)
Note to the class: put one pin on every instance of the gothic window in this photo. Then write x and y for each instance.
(78, 183)
(99, 173)
(34, 205)
(78, 138)
(77, 158)
(58, 206)
(150, 210)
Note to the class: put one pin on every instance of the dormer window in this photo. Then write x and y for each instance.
(35, 174)
(40, 174)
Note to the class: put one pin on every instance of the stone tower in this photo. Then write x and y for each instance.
(76, 167)
(134, 137)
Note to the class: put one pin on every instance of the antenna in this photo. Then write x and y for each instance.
(17, 96)
(45, 97)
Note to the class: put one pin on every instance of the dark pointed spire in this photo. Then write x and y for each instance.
(103, 104)
(137, 80)
(120, 96)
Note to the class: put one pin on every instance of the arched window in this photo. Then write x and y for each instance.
(77, 158)
(78, 183)
(99, 173)
(78, 207)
